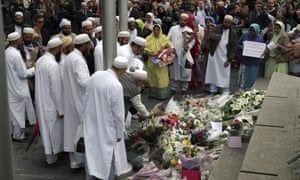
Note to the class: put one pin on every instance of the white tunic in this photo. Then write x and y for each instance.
(103, 121)
(216, 73)
(126, 51)
(175, 36)
(18, 91)
(98, 56)
(49, 103)
(76, 78)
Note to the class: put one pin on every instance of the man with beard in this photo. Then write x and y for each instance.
(18, 25)
(29, 48)
(222, 43)
(67, 48)
(18, 91)
(180, 70)
(66, 29)
(76, 78)
(132, 51)
(30, 52)
(49, 104)
(87, 28)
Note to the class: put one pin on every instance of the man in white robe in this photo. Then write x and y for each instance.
(76, 78)
(104, 119)
(222, 47)
(67, 48)
(18, 91)
(179, 73)
(132, 50)
(49, 101)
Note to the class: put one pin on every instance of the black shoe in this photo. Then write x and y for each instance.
(76, 170)
(52, 165)
(19, 140)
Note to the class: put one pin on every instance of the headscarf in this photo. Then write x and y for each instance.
(149, 24)
(190, 20)
(256, 28)
(140, 23)
(190, 24)
(276, 36)
(157, 44)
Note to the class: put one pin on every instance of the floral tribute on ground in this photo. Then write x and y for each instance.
(193, 131)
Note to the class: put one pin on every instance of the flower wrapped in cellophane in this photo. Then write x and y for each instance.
(151, 130)
(243, 103)
(191, 157)
(150, 171)
(165, 57)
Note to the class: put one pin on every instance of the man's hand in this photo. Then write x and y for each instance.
(118, 139)
(293, 50)
(226, 64)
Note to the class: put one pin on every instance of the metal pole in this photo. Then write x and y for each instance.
(123, 15)
(6, 171)
(109, 33)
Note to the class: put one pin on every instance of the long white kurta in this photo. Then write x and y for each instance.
(103, 121)
(49, 103)
(216, 73)
(18, 91)
(126, 51)
(76, 78)
(98, 56)
(176, 38)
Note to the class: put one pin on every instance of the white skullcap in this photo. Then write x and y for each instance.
(66, 40)
(18, 13)
(81, 39)
(131, 19)
(91, 19)
(139, 74)
(28, 30)
(53, 43)
(64, 22)
(184, 15)
(120, 62)
(98, 29)
(140, 41)
(117, 18)
(86, 23)
(229, 17)
(13, 36)
(123, 34)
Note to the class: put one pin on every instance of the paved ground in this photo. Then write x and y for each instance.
(31, 165)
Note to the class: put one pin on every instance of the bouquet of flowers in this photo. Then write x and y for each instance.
(243, 103)
(235, 127)
(165, 57)
(191, 157)
(151, 130)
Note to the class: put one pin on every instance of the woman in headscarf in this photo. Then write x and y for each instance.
(275, 54)
(249, 67)
(194, 50)
(158, 76)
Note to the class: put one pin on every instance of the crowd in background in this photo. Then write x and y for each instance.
(57, 46)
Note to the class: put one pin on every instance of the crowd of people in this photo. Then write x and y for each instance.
(56, 74)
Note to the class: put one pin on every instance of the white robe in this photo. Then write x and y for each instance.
(76, 78)
(126, 51)
(103, 121)
(98, 56)
(49, 103)
(177, 70)
(18, 91)
(216, 73)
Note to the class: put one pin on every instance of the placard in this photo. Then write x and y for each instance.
(253, 49)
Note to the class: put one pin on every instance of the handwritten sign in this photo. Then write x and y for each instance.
(253, 49)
